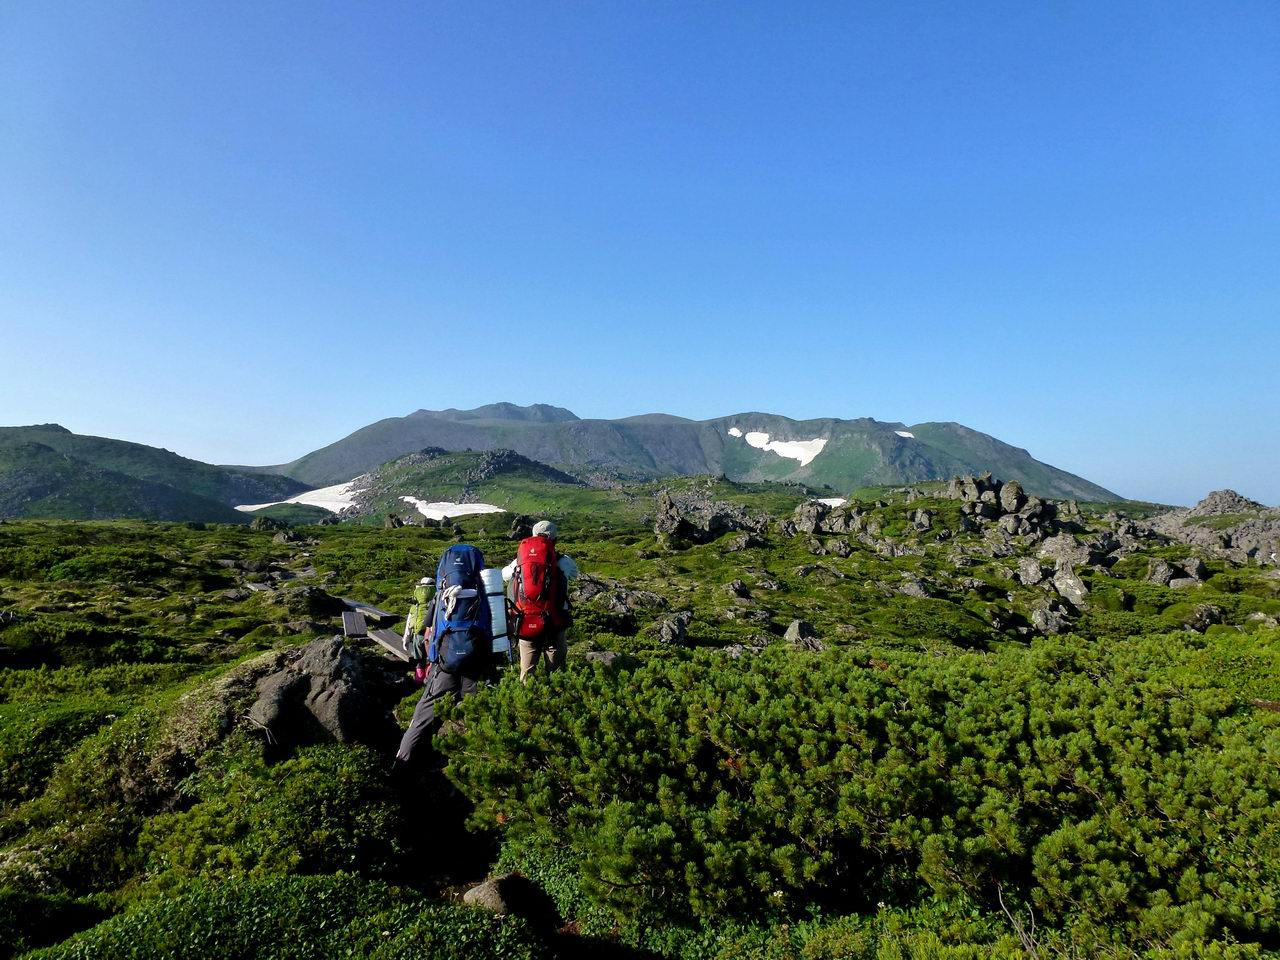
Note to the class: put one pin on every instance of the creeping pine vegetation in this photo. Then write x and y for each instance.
(908, 727)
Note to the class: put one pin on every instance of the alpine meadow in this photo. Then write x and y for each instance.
(657, 481)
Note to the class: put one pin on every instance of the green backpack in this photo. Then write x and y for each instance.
(418, 610)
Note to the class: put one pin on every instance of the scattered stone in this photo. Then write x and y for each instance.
(236, 595)
(692, 517)
(1159, 572)
(265, 523)
(1071, 587)
(840, 547)
(737, 588)
(392, 522)
(674, 630)
(287, 536)
(1066, 549)
(1184, 583)
(1203, 617)
(1030, 572)
(746, 541)
(1195, 568)
(913, 587)
(1050, 617)
(606, 658)
(801, 634)
(1012, 498)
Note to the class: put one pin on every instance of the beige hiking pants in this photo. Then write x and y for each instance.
(551, 648)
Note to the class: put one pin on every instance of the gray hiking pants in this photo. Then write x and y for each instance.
(440, 684)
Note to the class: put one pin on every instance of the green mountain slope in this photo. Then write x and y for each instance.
(48, 471)
(853, 453)
(153, 465)
(40, 482)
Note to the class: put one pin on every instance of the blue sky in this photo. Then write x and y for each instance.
(241, 230)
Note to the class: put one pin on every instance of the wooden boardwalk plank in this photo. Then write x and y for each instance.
(353, 624)
(369, 611)
(390, 641)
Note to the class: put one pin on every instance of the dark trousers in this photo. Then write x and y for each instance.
(440, 684)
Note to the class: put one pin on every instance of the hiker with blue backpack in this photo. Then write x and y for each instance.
(458, 634)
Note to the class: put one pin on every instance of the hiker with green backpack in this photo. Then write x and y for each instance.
(456, 632)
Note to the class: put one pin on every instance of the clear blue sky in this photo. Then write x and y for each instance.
(241, 230)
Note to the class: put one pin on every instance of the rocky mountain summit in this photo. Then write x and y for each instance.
(1227, 524)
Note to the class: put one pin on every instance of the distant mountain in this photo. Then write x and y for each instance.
(840, 454)
(48, 471)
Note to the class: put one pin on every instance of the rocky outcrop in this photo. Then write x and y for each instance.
(324, 691)
(693, 517)
(800, 633)
(984, 499)
(1227, 525)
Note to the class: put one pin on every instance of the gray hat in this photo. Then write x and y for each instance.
(545, 528)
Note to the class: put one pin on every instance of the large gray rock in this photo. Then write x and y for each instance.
(693, 517)
(323, 692)
(674, 630)
(1066, 549)
(1071, 587)
(1030, 572)
(1195, 568)
(800, 633)
(1011, 497)
(1049, 617)
(1159, 572)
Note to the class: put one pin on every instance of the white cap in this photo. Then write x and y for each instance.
(427, 582)
(545, 528)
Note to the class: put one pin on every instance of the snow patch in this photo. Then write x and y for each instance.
(905, 433)
(336, 498)
(833, 501)
(802, 450)
(443, 509)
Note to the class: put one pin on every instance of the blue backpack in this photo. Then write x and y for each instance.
(463, 626)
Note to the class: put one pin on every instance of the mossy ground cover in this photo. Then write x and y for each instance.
(923, 787)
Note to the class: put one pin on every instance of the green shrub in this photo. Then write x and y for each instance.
(30, 920)
(297, 918)
(1082, 778)
(327, 809)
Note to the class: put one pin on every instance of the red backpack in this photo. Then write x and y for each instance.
(538, 588)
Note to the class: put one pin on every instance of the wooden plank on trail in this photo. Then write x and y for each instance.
(353, 624)
(390, 641)
(369, 611)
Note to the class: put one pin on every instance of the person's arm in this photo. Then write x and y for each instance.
(569, 567)
(509, 571)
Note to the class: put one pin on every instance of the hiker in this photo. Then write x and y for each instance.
(458, 637)
(539, 587)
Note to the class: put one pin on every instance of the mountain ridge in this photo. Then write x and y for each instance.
(754, 446)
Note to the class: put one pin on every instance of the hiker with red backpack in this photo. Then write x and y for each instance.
(459, 638)
(539, 590)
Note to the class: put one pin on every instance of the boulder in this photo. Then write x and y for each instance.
(606, 658)
(265, 523)
(800, 633)
(1195, 568)
(692, 517)
(737, 588)
(922, 519)
(1070, 587)
(287, 536)
(809, 516)
(1184, 583)
(1203, 617)
(1029, 571)
(746, 541)
(840, 547)
(392, 522)
(1049, 617)
(674, 630)
(1012, 498)
(1159, 572)
(1066, 549)
(323, 692)
(913, 587)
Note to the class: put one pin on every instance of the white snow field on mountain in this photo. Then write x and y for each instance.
(336, 498)
(802, 450)
(340, 496)
(443, 510)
